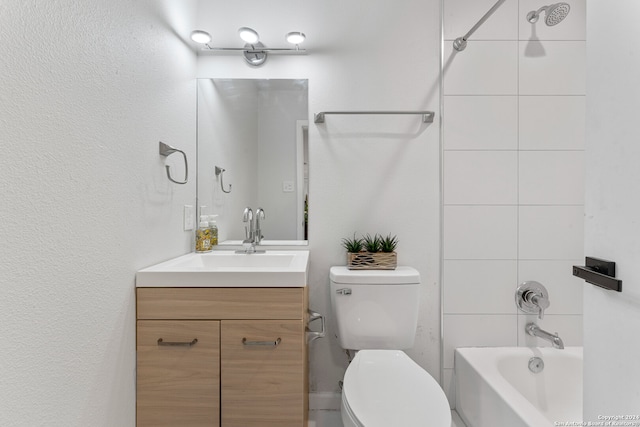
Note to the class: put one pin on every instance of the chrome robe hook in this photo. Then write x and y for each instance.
(166, 150)
(219, 171)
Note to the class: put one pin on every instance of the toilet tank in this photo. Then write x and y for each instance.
(375, 309)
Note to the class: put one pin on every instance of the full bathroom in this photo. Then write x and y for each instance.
(504, 166)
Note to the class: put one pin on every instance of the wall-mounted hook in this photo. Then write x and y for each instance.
(166, 150)
(219, 171)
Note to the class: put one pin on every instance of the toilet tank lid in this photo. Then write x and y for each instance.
(401, 275)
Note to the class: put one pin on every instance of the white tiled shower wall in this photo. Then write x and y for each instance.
(514, 130)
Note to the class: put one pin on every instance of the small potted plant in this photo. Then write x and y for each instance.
(371, 252)
(388, 244)
(352, 245)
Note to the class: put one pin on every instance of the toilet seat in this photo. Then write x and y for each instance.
(385, 388)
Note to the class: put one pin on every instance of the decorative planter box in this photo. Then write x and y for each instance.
(372, 260)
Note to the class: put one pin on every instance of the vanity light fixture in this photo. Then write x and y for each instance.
(254, 52)
(200, 36)
(295, 37)
(249, 35)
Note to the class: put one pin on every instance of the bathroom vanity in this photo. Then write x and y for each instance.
(230, 356)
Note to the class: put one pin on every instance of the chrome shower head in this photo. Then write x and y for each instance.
(555, 13)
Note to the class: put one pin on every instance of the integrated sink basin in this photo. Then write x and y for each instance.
(229, 269)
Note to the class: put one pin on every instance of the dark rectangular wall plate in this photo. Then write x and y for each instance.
(599, 272)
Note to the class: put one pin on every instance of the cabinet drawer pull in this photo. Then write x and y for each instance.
(178, 344)
(269, 343)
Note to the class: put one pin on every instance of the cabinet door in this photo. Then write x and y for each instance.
(178, 378)
(263, 377)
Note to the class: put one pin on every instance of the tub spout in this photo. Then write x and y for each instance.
(535, 331)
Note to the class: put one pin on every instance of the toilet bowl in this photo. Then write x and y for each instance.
(376, 313)
(385, 388)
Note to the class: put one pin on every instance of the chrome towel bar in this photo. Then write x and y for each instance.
(166, 150)
(427, 116)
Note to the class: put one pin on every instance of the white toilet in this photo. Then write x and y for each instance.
(376, 312)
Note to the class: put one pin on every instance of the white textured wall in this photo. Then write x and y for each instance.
(514, 105)
(367, 174)
(612, 320)
(88, 89)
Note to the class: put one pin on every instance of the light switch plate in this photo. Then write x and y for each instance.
(188, 218)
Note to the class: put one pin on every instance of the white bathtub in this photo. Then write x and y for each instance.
(495, 388)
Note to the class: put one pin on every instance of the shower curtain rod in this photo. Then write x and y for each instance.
(461, 42)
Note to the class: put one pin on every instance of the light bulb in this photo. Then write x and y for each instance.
(295, 37)
(200, 36)
(248, 35)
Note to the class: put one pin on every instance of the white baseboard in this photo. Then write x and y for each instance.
(325, 401)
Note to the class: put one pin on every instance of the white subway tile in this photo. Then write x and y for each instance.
(551, 177)
(552, 122)
(559, 69)
(480, 232)
(573, 27)
(480, 122)
(565, 290)
(449, 386)
(479, 287)
(461, 15)
(551, 232)
(481, 177)
(462, 330)
(483, 68)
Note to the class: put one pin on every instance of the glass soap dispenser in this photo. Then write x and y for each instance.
(203, 235)
(214, 229)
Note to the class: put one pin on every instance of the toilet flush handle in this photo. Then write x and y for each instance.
(344, 291)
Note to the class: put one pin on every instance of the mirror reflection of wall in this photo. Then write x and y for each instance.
(256, 130)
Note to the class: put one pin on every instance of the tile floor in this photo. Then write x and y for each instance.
(332, 419)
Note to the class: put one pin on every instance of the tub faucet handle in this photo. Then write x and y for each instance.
(542, 303)
(532, 298)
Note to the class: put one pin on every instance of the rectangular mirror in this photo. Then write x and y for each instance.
(252, 151)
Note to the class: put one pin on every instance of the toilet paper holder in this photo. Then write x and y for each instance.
(599, 272)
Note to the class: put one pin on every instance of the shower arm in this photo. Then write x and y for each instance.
(461, 42)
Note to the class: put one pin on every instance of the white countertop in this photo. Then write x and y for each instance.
(273, 268)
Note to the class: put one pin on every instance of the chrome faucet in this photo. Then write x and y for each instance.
(252, 231)
(248, 242)
(532, 298)
(257, 236)
(535, 331)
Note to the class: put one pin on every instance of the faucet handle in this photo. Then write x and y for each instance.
(247, 215)
(249, 246)
(532, 298)
(542, 303)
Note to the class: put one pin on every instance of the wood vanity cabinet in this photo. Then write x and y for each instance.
(229, 357)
